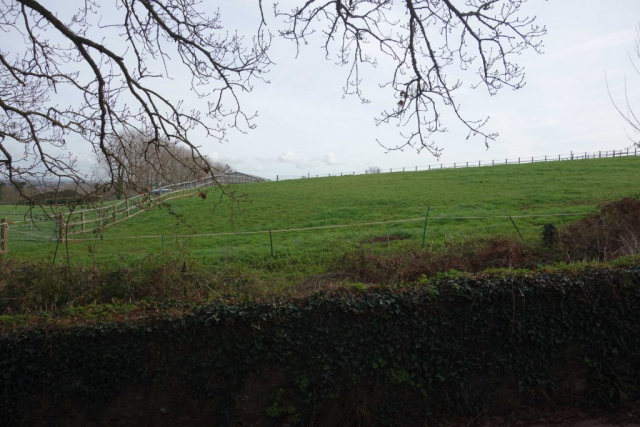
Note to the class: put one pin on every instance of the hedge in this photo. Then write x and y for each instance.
(464, 346)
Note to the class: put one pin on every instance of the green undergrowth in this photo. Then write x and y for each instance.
(467, 345)
(64, 302)
(609, 236)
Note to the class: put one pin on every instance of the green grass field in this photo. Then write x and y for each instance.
(541, 188)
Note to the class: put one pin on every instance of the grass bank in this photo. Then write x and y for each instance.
(532, 189)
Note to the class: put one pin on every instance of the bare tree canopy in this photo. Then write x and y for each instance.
(425, 40)
(61, 82)
(626, 111)
(141, 170)
(118, 95)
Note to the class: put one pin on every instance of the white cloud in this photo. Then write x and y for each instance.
(225, 158)
(289, 157)
(330, 159)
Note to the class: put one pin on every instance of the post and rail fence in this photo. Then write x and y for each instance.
(4, 236)
(61, 225)
(630, 151)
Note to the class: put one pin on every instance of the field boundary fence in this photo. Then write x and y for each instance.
(327, 227)
(426, 220)
(59, 224)
(627, 152)
(64, 226)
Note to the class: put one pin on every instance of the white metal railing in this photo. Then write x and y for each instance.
(57, 225)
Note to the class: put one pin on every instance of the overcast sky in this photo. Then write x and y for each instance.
(305, 125)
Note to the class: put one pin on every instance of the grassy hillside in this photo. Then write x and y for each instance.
(542, 188)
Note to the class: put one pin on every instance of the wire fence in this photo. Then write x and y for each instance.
(334, 226)
(475, 164)
(47, 234)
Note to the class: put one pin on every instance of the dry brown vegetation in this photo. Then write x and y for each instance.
(611, 232)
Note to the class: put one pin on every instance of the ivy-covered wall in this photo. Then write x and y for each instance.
(376, 357)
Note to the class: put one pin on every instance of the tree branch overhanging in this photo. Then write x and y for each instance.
(68, 82)
(629, 115)
(115, 92)
(427, 41)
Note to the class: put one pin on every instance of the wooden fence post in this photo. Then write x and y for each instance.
(4, 236)
(115, 214)
(83, 225)
(61, 227)
(129, 213)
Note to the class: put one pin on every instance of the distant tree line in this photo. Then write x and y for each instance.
(142, 167)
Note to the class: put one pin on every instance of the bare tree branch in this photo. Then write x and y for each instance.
(425, 39)
(67, 82)
(626, 111)
(114, 91)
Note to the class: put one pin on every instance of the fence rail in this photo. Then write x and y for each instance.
(510, 218)
(65, 225)
(60, 225)
(478, 163)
